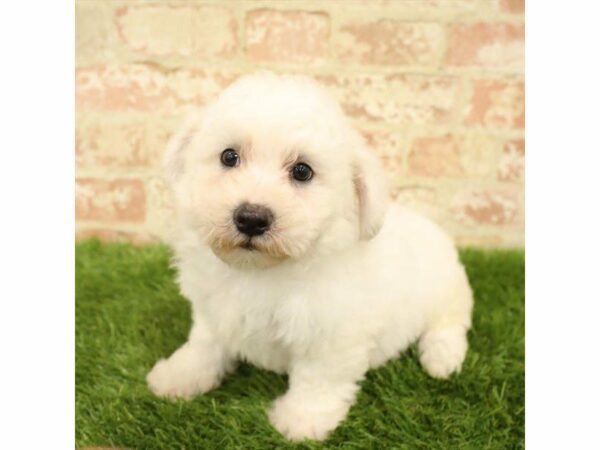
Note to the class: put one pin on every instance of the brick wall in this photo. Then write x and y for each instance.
(436, 86)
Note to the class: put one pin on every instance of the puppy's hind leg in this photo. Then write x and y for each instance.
(444, 344)
(195, 368)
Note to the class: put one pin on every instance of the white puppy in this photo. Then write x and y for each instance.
(293, 260)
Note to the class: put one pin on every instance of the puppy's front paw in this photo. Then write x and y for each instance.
(183, 375)
(164, 381)
(298, 420)
(443, 351)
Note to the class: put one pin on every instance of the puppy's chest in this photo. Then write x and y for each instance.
(258, 340)
(268, 331)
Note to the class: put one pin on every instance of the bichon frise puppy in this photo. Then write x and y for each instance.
(293, 261)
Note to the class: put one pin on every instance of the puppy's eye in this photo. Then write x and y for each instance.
(302, 172)
(230, 158)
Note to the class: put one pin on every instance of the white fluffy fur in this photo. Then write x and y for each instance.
(340, 284)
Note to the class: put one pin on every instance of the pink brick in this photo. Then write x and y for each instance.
(122, 200)
(146, 88)
(390, 42)
(514, 6)
(497, 104)
(434, 157)
(287, 36)
(489, 45)
(486, 207)
(457, 155)
(205, 31)
(414, 99)
(512, 162)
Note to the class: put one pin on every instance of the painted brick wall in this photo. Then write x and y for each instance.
(436, 86)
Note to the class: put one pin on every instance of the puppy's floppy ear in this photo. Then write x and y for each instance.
(372, 190)
(174, 159)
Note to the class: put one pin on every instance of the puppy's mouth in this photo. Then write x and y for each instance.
(248, 252)
(248, 245)
(241, 250)
(260, 246)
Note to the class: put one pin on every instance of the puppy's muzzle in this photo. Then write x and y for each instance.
(252, 220)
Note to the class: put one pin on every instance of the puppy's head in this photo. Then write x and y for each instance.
(273, 171)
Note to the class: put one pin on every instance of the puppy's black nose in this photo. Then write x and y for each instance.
(251, 219)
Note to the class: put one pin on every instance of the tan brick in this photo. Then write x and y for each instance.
(161, 209)
(389, 146)
(433, 9)
(453, 5)
(205, 31)
(478, 153)
(485, 207)
(92, 32)
(513, 6)
(512, 162)
(452, 156)
(414, 99)
(108, 235)
(389, 42)
(146, 88)
(499, 104)
(287, 36)
(117, 144)
(122, 200)
(487, 45)
(473, 240)
(424, 199)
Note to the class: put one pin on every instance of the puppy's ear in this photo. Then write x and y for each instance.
(372, 190)
(174, 159)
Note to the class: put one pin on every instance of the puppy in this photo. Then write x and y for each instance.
(294, 261)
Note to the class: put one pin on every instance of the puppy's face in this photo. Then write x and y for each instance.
(272, 171)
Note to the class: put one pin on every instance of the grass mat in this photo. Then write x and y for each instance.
(129, 314)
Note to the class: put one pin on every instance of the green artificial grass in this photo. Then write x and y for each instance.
(129, 314)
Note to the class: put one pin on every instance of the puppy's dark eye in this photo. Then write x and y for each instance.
(302, 172)
(230, 158)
